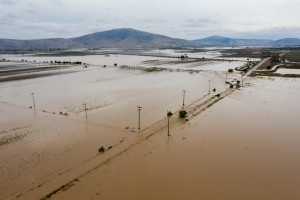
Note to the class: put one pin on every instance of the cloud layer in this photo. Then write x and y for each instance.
(189, 19)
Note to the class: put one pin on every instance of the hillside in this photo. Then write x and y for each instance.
(117, 38)
(287, 42)
(130, 38)
(225, 41)
(56, 43)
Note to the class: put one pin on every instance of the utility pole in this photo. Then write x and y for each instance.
(33, 100)
(85, 109)
(183, 97)
(209, 86)
(169, 114)
(139, 110)
(242, 79)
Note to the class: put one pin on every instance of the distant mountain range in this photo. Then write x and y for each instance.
(225, 41)
(130, 38)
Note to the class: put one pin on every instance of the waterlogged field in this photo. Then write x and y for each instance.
(54, 118)
(244, 147)
(195, 60)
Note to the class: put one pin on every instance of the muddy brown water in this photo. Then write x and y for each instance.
(41, 149)
(243, 147)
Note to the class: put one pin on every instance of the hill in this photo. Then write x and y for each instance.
(130, 38)
(225, 41)
(55, 43)
(287, 42)
(117, 38)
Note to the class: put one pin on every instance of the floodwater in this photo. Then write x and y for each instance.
(245, 146)
(288, 71)
(141, 61)
(40, 144)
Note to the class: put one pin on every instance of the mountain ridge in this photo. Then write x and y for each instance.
(227, 41)
(131, 38)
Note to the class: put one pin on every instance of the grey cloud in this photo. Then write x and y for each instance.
(151, 20)
(198, 22)
(276, 32)
(30, 19)
(57, 2)
(9, 2)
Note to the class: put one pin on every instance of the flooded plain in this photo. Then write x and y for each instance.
(168, 59)
(245, 147)
(235, 143)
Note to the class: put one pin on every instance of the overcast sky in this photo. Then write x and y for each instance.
(187, 19)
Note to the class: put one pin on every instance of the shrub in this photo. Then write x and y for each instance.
(230, 70)
(269, 67)
(101, 149)
(182, 114)
(231, 86)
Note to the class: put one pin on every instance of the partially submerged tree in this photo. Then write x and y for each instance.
(182, 114)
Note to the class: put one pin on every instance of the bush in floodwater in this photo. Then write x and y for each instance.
(101, 149)
(231, 86)
(182, 114)
(65, 114)
(269, 67)
(230, 70)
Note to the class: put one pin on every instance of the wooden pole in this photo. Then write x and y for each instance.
(139, 120)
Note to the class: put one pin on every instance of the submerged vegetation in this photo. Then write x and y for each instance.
(101, 149)
(182, 114)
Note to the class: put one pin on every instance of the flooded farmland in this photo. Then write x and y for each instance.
(236, 143)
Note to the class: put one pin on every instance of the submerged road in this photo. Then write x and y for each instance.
(257, 66)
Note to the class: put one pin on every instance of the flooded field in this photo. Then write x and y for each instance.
(236, 143)
(195, 60)
(288, 71)
(242, 148)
